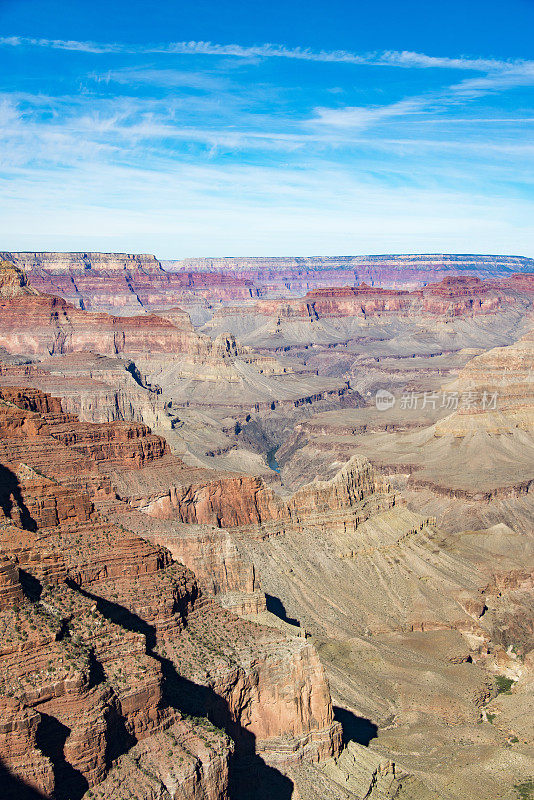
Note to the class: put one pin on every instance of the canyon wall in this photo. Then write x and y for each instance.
(133, 284)
(129, 284)
(110, 644)
(297, 275)
(453, 296)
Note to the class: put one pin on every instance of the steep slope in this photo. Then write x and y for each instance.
(412, 623)
(124, 283)
(298, 275)
(119, 644)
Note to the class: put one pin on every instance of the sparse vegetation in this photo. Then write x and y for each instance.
(504, 684)
(525, 790)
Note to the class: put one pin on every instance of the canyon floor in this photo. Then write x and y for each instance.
(267, 530)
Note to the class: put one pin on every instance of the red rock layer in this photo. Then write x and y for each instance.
(244, 501)
(107, 643)
(290, 276)
(108, 281)
(40, 324)
(453, 296)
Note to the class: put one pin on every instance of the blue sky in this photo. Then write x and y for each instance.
(287, 128)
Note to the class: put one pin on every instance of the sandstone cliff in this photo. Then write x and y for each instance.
(453, 296)
(124, 283)
(118, 643)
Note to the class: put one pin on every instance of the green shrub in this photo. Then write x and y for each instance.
(504, 684)
(525, 790)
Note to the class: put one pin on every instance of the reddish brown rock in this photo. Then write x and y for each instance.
(453, 296)
(129, 283)
(107, 642)
(247, 501)
(19, 751)
(11, 593)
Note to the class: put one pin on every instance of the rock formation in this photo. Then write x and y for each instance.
(299, 275)
(128, 284)
(202, 531)
(453, 296)
(118, 641)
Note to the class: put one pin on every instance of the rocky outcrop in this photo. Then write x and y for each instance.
(348, 498)
(13, 281)
(298, 275)
(118, 642)
(11, 593)
(43, 325)
(18, 734)
(452, 297)
(34, 323)
(504, 370)
(119, 282)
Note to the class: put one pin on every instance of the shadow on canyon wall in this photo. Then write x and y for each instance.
(15, 789)
(12, 502)
(50, 739)
(276, 607)
(355, 729)
(250, 777)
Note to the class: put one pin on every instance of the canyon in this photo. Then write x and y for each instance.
(131, 284)
(226, 570)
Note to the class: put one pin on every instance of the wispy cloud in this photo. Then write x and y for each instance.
(154, 152)
(511, 77)
(270, 213)
(165, 78)
(391, 58)
(356, 118)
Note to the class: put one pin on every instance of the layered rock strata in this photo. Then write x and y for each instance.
(119, 644)
(130, 284)
(299, 275)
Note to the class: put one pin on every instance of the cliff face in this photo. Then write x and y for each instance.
(286, 276)
(505, 370)
(348, 498)
(13, 281)
(85, 262)
(49, 326)
(109, 644)
(453, 296)
(34, 323)
(132, 284)
(127, 283)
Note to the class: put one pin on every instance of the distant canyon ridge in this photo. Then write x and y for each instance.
(140, 282)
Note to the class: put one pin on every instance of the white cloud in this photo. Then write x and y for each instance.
(393, 58)
(354, 118)
(248, 210)
(167, 78)
(134, 173)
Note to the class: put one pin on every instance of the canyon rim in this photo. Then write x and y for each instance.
(266, 517)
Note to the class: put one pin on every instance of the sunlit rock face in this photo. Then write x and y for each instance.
(190, 616)
(91, 607)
